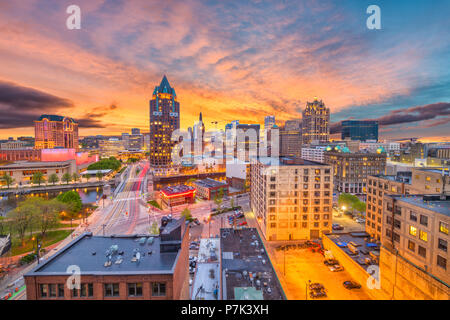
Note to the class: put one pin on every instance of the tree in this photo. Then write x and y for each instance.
(7, 179)
(99, 175)
(104, 164)
(67, 177)
(154, 228)
(186, 213)
(53, 178)
(86, 176)
(46, 213)
(38, 177)
(232, 202)
(75, 177)
(359, 206)
(218, 199)
(73, 201)
(22, 217)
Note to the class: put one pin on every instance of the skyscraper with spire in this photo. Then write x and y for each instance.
(164, 119)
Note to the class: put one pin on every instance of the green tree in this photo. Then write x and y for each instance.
(186, 213)
(99, 175)
(73, 201)
(7, 179)
(154, 229)
(22, 218)
(46, 213)
(75, 177)
(38, 178)
(67, 177)
(86, 176)
(359, 206)
(53, 178)
(104, 164)
(218, 199)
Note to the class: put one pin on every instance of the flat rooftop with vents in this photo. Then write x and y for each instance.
(247, 273)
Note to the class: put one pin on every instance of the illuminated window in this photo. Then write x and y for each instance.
(412, 231)
(423, 236)
(443, 227)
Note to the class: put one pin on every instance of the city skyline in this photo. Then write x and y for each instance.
(227, 60)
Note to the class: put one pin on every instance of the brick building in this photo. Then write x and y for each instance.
(135, 267)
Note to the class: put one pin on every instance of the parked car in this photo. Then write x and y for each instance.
(316, 286)
(360, 220)
(337, 226)
(317, 294)
(330, 262)
(351, 285)
(336, 268)
(243, 223)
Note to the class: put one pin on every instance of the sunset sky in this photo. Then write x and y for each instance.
(229, 59)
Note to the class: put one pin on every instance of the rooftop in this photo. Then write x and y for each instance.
(429, 202)
(210, 183)
(399, 177)
(245, 264)
(364, 247)
(34, 164)
(173, 190)
(53, 117)
(288, 161)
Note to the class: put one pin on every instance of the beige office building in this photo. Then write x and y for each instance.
(291, 197)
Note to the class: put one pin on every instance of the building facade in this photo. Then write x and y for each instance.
(128, 272)
(164, 120)
(52, 131)
(315, 122)
(415, 228)
(291, 197)
(351, 169)
(361, 130)
(209, 188)
(291, 139)
(176, 195)
(313, 153)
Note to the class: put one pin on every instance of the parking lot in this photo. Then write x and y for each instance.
(302, 265)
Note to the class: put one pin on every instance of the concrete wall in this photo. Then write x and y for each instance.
(401, 280)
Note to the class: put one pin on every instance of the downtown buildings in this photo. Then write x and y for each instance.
(53, 131)
(291, 138)
(164, 120)
(291, 197)
(359, 130)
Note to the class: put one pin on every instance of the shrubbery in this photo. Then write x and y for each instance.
(105, 164)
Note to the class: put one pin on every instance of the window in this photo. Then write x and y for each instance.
(411, 245)
(135, 289)
(422, 251)
(111, 289)
(442, 244)
(424, 220)
(423, 236)
(271, 217)
(396, 237)
(158, 289)
(304, 224)
(43, 290)
(87, 290)
(52, 290)
(443, 227)
(74, 292)
(316, 224)
(60, 290)
(273, 225)
(397, 224)
(442, 262)
(412, 216)
(413, 231)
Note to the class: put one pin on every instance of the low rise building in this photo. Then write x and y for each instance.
(313, 153)
(209, 188)
(176, 195)
(136, 267)
(246, 270)
(291, 197)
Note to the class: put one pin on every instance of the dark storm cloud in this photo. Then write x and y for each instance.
(20, 106)
(409, 115)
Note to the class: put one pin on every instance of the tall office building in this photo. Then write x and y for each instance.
(315, 122)
(164, 119)
(269, 121)
(291, 139)
(359, 130)
(52, 131)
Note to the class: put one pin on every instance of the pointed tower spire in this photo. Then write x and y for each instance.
(200, 118)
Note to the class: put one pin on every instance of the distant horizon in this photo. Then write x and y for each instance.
(229, 60)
